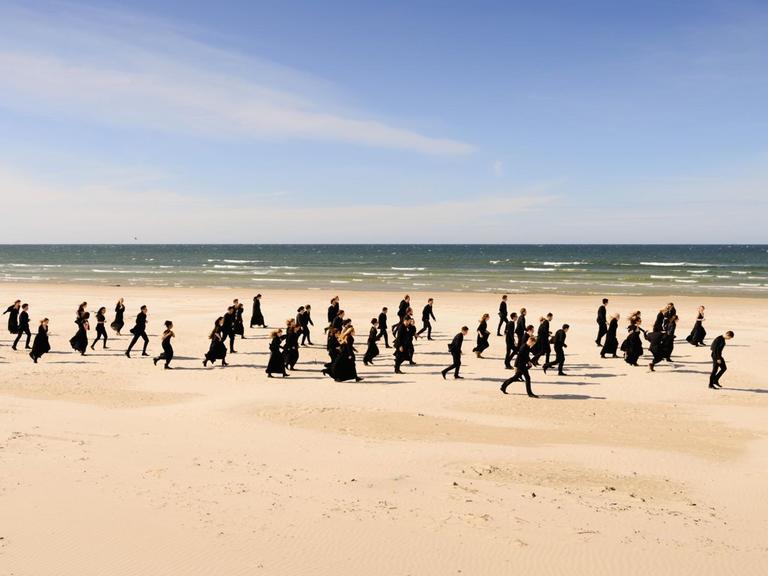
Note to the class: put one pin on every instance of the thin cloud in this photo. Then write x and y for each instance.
(144, 76)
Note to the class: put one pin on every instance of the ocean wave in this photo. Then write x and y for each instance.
(540, 269)
(284, 267)
(397, 268)
(681, 264)
(683, 281)
(739, 272)
(698, 271)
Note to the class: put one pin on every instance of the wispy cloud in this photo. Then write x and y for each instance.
(114, 68)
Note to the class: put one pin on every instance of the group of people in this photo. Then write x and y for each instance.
(525, 343)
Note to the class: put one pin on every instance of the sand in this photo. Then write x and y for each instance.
(114, 467)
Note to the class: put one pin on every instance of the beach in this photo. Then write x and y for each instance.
(115, 466)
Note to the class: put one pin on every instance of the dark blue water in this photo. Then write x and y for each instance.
(566, 269)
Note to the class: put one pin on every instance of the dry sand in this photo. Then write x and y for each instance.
(111, 466)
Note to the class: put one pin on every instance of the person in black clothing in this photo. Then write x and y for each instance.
(657, 348)
(455, 349)
(520, 329)
(373, 337)
(560, 345)
(101, 331)
(239, 325)
(383, 327)
(119, 321)
(80, 312)
(671, 311)
(633, 344)
(602, 322)
(509, 339)
(402, 310)
(79, 341)
(669, 337)
(522, 367)
(333, 311)
(611, 344)
(698, 333)
(257, 318)
(542, 341)
(165, 342)
(426, 315)
(344, 367)
(41, 345)
(482, 336)
(23, 327)
(403, 343)
(718, 362)
(228, 328)
(217, 349)
(13, 318)
(291, 346)
(305, 321)
(502, 315)
(276, 362)
(338, 322)
(332, 347)
(139, 331)
(658, 325)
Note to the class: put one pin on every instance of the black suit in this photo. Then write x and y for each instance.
(602, 324)
(509, 337)
(522, 365)
(383, 329)
(559, 345)
(23, 329)
(522, 337)
(426, 314)
(305, 321)
(139, 331)
(455, 349)
(502, 317)
(718, 362)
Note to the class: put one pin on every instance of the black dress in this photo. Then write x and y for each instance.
(41, 345)
(344, 366)
(291, 349)
(257, 318)
(698, 333)
(276, 364)
(118, 322)
(373, 348)
(482, 337)
(79, 341)
(611, 344)
(632, 346)
(13, 319)
(217, 350)
(669, 341)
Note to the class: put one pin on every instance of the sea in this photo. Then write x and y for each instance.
(731, 270)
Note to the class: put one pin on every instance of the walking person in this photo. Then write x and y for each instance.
(611, 344)
(482, 336)
(509, 340)
(502, 315)
(79, 341)
(305, 321)
(41, 345)
(718, 362)
(543, 347)
(426, 314)
(165, 342)
(559, 345)
(13, 316)
(139, 330)
(455, 349)
(383, 327)
(373, 349)
(23, 327)
(101, 330)
(217, 350)
(602, 322)
(698, 333)
(522, 368)
(119, 321)
(276, 364)
(257, 318)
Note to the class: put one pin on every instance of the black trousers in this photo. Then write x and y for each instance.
(142, 334)
(383, 334)
(231, 336)
(511, 352)
(19, 334)
(456, 366)
(426, 326)
(559, 361)
(101, 332)
(502, 322)
(602, 330)
(717, 371)
(520, 374)
(400, 357)
(305, 335)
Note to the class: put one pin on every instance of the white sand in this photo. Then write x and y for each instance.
(111, 466)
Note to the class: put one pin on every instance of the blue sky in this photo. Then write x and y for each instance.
(248, 121)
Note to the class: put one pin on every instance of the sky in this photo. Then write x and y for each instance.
(245, 121)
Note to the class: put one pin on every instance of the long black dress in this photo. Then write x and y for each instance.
(276, 364)
(79, 341)
(698, 333)
(217, 350)
(13, 319)
(344, 366)
(118, 323)
(611, 344)
(291, 349)
(632, 346)
(41, 345)
(482, 338)
(669, 341)
(373, 348)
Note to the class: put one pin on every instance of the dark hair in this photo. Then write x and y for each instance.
(605, 300)
(374, 321)
(729, 333)
(384, 309)
(168, 323)
(86, 315)
(566, 326)
(465, 328)
(25, 305)
(143, 307)
(257, 296)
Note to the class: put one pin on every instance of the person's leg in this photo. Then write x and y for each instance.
(429, 330)
(146, 342)
(133, 343)
(29, 336)
(528, 390)
(560, 359)
(720, 372)
(457, 365)
(18, 337)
